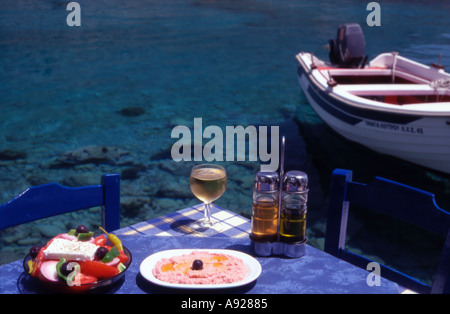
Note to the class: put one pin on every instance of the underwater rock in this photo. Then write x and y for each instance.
(162, 154)
(168, 204)
(177, 169)
(13, 234)
(36, 180)
(132, 111)
(132, 172)
(30, 241)
(49, 230)
(246, 182)
(132, 205)
(175, 188)
(76, 180)
(93, 154)
(9, 154)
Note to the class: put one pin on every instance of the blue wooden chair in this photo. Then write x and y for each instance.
(53, 199)
(396, 200)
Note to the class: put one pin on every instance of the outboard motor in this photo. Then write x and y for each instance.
(347, 50)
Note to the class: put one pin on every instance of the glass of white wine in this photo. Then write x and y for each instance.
(208, 183)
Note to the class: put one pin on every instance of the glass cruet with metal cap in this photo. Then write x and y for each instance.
(294, 200)
(265, 208)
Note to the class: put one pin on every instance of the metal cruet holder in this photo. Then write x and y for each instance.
(293, 194)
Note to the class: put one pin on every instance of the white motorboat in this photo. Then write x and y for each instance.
(392, 105)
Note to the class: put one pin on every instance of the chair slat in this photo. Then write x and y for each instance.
(53, 199)
(400, 201)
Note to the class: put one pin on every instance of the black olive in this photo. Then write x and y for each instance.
(101, 252)
(34, 251)
(65, 269)
(82, 229)
(197, 264)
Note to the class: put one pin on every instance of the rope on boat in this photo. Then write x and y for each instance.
(440, 84)
(395, 53)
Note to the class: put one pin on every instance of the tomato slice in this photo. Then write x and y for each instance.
(123, 257)
(81, 283)
(100, 240)
(82, 279)
(98, 269)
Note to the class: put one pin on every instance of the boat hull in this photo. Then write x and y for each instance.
(420, 139)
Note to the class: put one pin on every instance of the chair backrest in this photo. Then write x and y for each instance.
(53, 199)
(396, 200)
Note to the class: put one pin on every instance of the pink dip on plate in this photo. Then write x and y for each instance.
(217, 269)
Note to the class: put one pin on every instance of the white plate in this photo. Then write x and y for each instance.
(147, 265)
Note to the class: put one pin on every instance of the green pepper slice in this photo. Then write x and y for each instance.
(113, 253)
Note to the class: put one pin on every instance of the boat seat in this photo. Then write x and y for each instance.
(356, 72)
(376, 71)
(390, 89)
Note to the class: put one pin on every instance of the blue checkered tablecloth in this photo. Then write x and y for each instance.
(232, 225)
(316, 272)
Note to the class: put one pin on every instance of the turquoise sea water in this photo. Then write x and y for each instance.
(136, 69)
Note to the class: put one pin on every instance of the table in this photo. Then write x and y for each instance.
(316, 272)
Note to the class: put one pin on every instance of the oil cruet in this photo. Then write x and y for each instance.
(265, 211)
(294, 207)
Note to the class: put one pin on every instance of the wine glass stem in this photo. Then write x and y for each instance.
(207, 219)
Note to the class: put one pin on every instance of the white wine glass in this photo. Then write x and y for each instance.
(208, 182)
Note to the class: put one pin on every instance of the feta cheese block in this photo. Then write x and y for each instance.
(70, 250)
